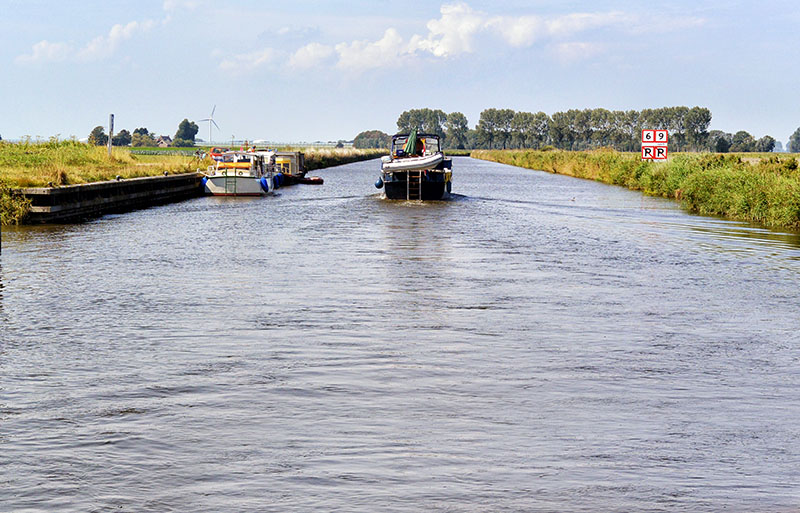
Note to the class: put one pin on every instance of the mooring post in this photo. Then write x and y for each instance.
(110, 132)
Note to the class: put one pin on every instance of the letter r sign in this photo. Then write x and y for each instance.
(654, 144)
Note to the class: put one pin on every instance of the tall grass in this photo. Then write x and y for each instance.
(39, 164)
(764, 189)
(55, 163)
(319, 158)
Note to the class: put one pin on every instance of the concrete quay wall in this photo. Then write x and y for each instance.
(78, 202)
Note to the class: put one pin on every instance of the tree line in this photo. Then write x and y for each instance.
(575, 129)
(142, 137)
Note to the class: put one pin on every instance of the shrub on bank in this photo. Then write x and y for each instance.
(762, 189)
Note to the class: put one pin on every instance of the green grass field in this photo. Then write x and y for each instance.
(756, 187)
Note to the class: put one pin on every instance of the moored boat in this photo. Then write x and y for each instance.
(292, 165)
(417, 169)
(240, 173)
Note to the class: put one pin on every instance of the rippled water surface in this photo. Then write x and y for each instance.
(538, 343)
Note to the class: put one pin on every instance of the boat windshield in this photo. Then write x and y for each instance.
(430, 145)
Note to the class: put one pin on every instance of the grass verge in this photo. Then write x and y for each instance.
(320, 158)
(760, 188)
(54, 163)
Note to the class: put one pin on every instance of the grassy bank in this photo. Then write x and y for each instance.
(320, 158)
(54, 163)
(761, 188)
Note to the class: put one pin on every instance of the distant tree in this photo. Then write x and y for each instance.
(456, 129)
(186, 132)
(743, 142)
(1, 137)
(488, 128)
(428, 121)
(721, 141)
(473, 139)
(98, 136)
(504, 118)
(794, 142)
(141, 131)
(140, 139)
(522, 127)
(697, 121)
(123, 138)
(778, 147)
(561, 130)
(765, 144)
(182, 143)
(372, 139)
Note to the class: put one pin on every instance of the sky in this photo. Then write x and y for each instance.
(304, 71)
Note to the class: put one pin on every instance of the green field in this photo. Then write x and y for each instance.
(756, 187)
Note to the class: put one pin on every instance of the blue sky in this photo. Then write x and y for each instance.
(306, 71)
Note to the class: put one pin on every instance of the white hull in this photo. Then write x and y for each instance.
(221, 185)
(412, 163)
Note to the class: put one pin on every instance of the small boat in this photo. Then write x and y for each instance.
(216, 153)
(417, 169)
(240, 173)
(292, 165)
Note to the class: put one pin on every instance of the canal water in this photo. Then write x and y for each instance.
(537, 343)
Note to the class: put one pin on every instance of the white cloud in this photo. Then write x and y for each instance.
(518, 32)
(174, 5)
(98, 48)
(103, 47)
(45, 51)
(363, 55)
(248, 61)
(576, 51)
(453, 33)
(311, 55)
(565, 26)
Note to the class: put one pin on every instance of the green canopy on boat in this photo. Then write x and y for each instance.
(411, 144)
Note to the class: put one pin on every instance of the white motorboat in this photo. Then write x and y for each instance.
(411, 163)
(240, 173)
(416, 169)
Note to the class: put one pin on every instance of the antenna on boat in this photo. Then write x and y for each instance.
(211, 121)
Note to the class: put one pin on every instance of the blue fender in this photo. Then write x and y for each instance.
(264, 183)
(379, 183)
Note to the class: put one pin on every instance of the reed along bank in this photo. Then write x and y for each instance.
(760, 188)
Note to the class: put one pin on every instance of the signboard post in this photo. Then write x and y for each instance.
(654, 144)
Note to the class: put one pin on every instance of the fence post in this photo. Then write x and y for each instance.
(110, 132)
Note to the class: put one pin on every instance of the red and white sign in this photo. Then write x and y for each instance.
(654, 144)
(654, 152)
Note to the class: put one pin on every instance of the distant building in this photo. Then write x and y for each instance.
(164, 141)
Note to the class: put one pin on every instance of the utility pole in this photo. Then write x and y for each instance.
(110, 132)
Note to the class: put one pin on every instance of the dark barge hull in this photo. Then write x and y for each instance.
(430, 190)
(432, 185)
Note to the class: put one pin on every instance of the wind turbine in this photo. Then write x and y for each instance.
(211, 121)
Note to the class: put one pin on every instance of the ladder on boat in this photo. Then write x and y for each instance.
(414, 185)
(230, 183)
